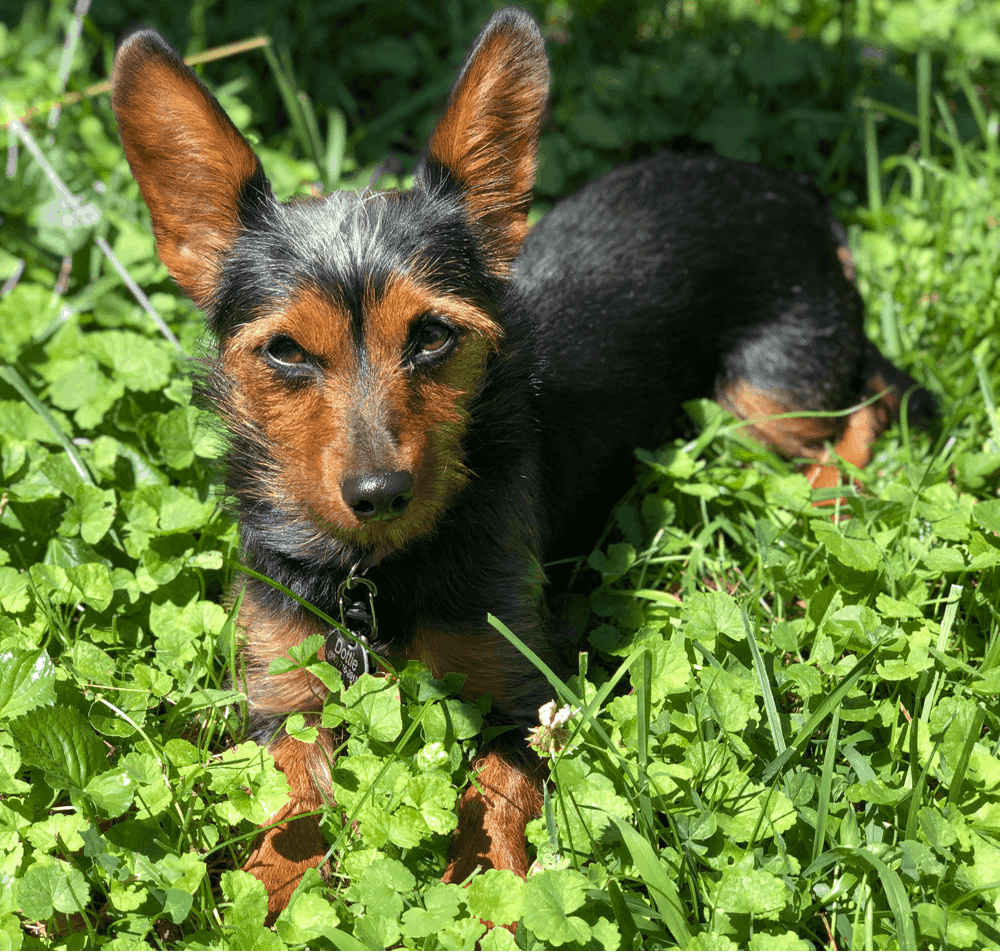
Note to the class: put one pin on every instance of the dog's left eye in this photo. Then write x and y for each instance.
(432, 339)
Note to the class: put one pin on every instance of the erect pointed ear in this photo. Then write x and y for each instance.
(487, 139)
(193, 167)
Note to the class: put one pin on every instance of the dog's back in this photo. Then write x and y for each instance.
(678, 276)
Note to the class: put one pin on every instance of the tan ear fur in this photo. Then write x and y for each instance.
(190, 161)
(487, 138)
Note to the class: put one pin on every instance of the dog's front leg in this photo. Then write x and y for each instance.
(284, 852)
(492, 816)
(506, 791)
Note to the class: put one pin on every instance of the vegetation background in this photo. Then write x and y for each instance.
(787, 727)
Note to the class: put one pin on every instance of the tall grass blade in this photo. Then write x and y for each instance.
(653, 871)
(831, 701)
(312, 130)
(961, 768)
(986, 388)
(290, 99)
(982, 120)
(924, 102)
(773, 718)
(871, 162)
(336, 145)
(643, 690)
(916, 798)
(826, 785)
(958, 150)
(81, 214)
(624, 919)
(888, 878)
(947, 622)
(11, 377)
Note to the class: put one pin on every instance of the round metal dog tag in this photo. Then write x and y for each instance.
(349, 657)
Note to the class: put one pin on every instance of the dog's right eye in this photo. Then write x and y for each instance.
(283, 352)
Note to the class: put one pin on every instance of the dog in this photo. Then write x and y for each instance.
(421, 393)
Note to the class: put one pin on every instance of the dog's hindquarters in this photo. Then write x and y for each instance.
(687, 275)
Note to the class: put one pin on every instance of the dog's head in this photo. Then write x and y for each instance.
(355, 331)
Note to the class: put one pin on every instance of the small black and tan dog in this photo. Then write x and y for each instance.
(419, 391)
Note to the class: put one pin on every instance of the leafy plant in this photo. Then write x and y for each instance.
(783, 728)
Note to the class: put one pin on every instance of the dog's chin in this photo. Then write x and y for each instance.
(358, 549)
(371, 542)
(369, 545)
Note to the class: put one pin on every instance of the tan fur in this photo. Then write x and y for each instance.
(802, 437)
(178, 141)
(481, 658)
(282, 854)
(491, 823)
(808, 437)
(854, 447)
(268, 637)
(503, 87)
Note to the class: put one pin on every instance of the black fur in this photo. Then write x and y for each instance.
(663, 281)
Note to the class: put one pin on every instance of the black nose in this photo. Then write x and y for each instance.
(378, 495)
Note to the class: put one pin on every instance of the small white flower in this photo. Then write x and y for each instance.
(549, 717)
(551, 735)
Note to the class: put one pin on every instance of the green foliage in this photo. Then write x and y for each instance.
(786, 727)
(778, 81)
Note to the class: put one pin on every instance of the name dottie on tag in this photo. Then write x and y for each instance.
(350, 658)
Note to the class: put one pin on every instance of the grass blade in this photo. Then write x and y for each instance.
(653, 872)
(956, 143)
(11, 377)
(773, 718)
(955, 791)
(871, 160)
(829, 703)
(336, 146)
(624, 919)
(826, 785)
(947, 622)
(924, 102)
(642, 702)
(895, 892)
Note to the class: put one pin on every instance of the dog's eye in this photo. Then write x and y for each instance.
(284, 352)
(432, 337)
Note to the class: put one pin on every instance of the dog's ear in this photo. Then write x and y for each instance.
(487, 140)
(194, 169)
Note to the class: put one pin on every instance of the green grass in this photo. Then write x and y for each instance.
(786, 730)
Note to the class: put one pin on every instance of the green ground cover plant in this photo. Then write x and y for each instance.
(783, 730)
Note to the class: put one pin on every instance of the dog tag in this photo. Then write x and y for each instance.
(350, 658)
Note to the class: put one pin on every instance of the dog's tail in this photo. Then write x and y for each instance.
(881, 376)
(892, 385)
